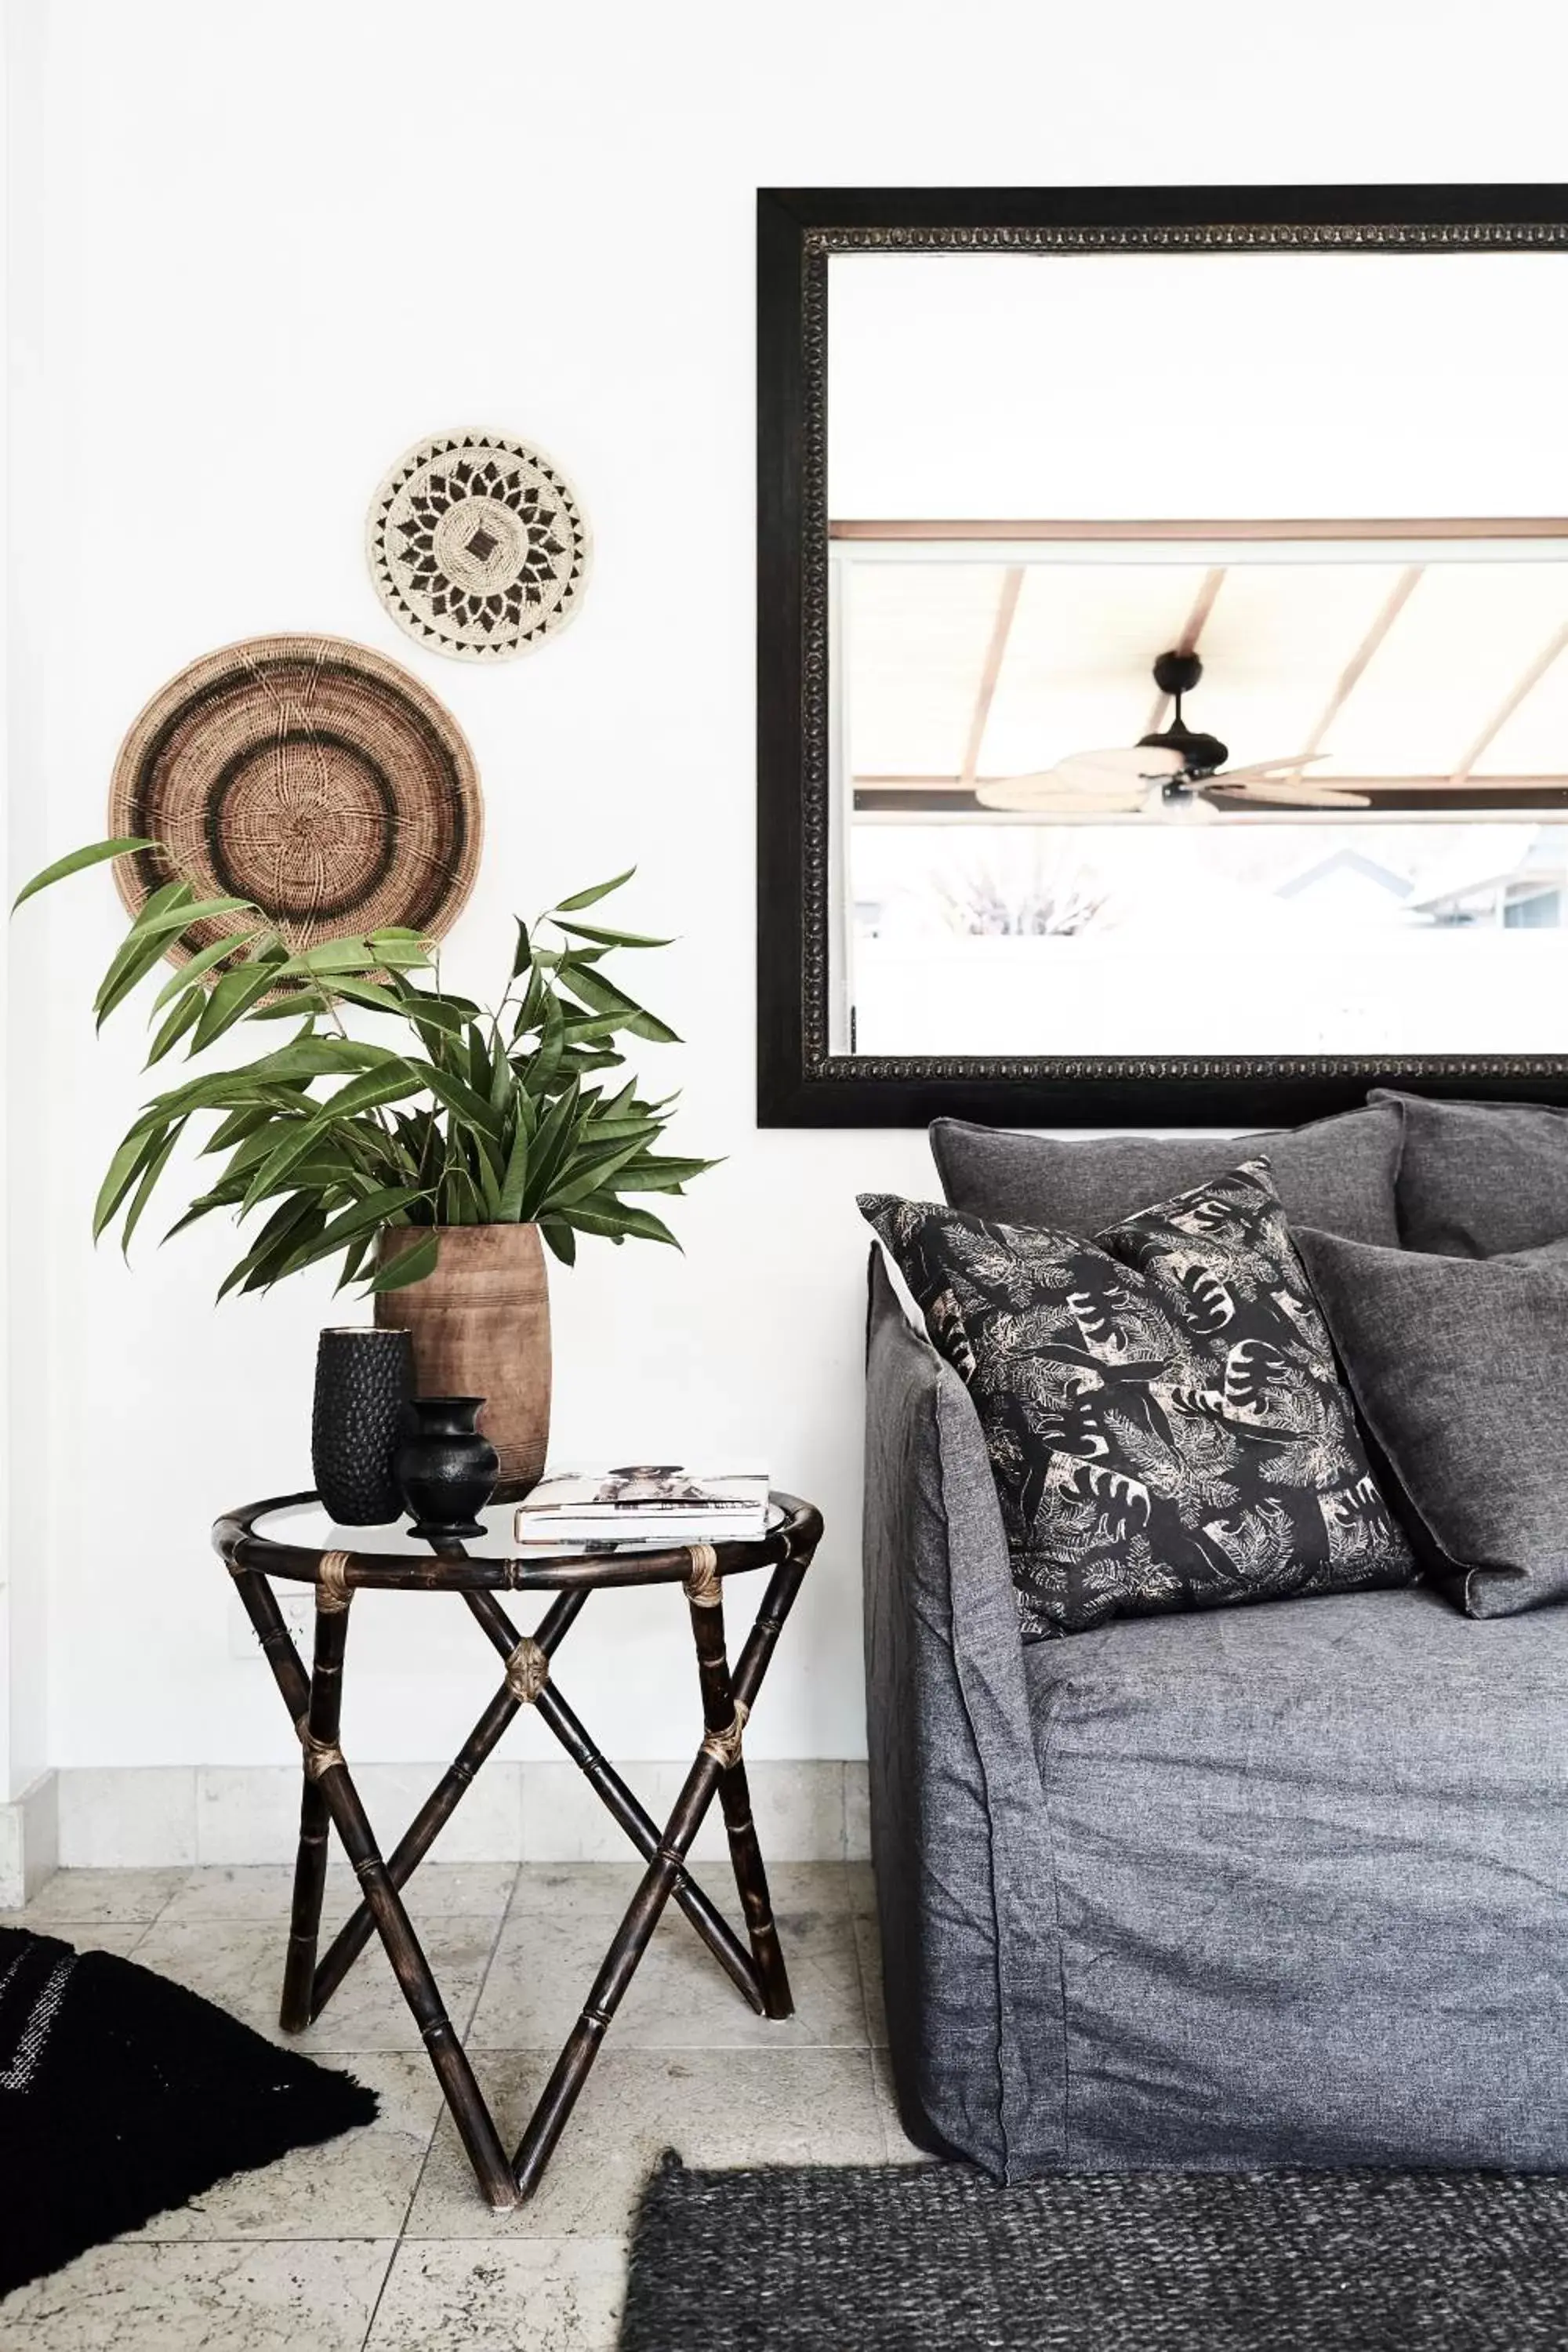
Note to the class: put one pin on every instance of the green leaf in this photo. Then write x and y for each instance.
(367, 1092)
(587, 1172)
(660, 1174)
(561, 1239)
(514, 1180)
(411, 1264)
(123, 1170)
(471, 1109)
(364, 1217)
(231, 1000)
(179, 917)
(524, 955)
(613, 939)
(616, 1221)
(191, 974)
(602, 995)
(154, 1168)
(284, 1229)
(172, 1030)
(134, 955)
(590, 898)
(96, 852)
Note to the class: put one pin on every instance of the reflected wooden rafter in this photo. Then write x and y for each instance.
(1517, 694)
(991, 670)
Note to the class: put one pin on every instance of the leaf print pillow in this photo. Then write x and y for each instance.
(1161, 1405)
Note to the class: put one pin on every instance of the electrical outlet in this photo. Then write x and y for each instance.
(296, 1604)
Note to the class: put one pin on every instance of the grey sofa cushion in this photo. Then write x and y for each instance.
(1161, 1406)
(1311, 1884)
(1338, 1174)
(1460, 1368)
(1475, 1180)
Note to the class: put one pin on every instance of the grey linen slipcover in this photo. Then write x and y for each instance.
(1280, 1885)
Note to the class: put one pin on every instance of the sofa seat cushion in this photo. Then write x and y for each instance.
(1338, 1174)
(1477, 1179)
(1311, 1884)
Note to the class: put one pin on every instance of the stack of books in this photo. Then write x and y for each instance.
(646, 1503)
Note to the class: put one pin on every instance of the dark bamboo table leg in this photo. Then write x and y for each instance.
(325, 1766)
(324, 1717)
(725, 1718)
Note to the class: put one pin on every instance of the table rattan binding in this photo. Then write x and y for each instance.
(329, 1800)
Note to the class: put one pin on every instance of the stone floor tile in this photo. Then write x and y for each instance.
(140, 2295)
(265, 1891)
(239, 1964)
(679, 1998)
(715, 2108)
(358, 2185)
(518, 2294)
(97, 1898)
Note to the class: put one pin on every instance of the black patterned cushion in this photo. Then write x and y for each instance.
(1161, 1405)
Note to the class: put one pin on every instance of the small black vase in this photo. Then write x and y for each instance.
(445, 1469)
(363, 1379)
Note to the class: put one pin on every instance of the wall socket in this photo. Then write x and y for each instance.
(296, 1604)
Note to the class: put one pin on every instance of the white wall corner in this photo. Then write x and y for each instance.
(29, 1840)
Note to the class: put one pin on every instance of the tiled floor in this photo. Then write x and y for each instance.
(381, 2241)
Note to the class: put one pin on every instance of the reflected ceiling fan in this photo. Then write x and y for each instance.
(1177, 774)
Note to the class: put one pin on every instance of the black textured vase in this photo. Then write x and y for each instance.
(363, 1379)
(445, 1470)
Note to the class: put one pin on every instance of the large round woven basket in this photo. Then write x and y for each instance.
(310, 775)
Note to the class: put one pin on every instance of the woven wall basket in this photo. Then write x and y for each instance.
(310, 775)
(478, 545)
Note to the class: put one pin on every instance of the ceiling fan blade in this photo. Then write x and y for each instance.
(1266, 768)
(1279, 792)
(1044, 794)
(1089, 781)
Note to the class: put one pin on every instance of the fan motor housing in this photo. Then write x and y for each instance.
(1177, 673)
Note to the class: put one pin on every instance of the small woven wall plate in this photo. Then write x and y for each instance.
(478, 546)
(309, 774)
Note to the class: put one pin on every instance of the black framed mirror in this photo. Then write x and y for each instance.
(1162, 651)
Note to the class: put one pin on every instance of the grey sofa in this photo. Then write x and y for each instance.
(1279, 1885)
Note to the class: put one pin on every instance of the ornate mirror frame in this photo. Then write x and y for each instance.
(799, 1082)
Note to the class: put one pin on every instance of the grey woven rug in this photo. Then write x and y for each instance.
(936, 2259)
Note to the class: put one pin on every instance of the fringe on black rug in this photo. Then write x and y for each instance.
(122, 2095)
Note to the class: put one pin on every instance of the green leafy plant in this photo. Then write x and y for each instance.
(476, 1115)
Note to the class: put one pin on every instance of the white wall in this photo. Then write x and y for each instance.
(267, 248)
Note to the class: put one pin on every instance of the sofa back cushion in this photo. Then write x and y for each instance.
(1166, 1423)
(1460, 1368)
(1339, 1173)
(1477, 1179)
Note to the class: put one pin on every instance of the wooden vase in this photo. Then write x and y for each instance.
(480, 1327)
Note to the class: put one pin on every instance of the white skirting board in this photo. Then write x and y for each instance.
(29, 1840)
(159, 1815)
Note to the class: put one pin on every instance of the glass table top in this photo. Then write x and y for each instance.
(308, 1525)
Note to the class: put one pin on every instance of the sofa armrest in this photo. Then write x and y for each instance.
(952, 1769)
